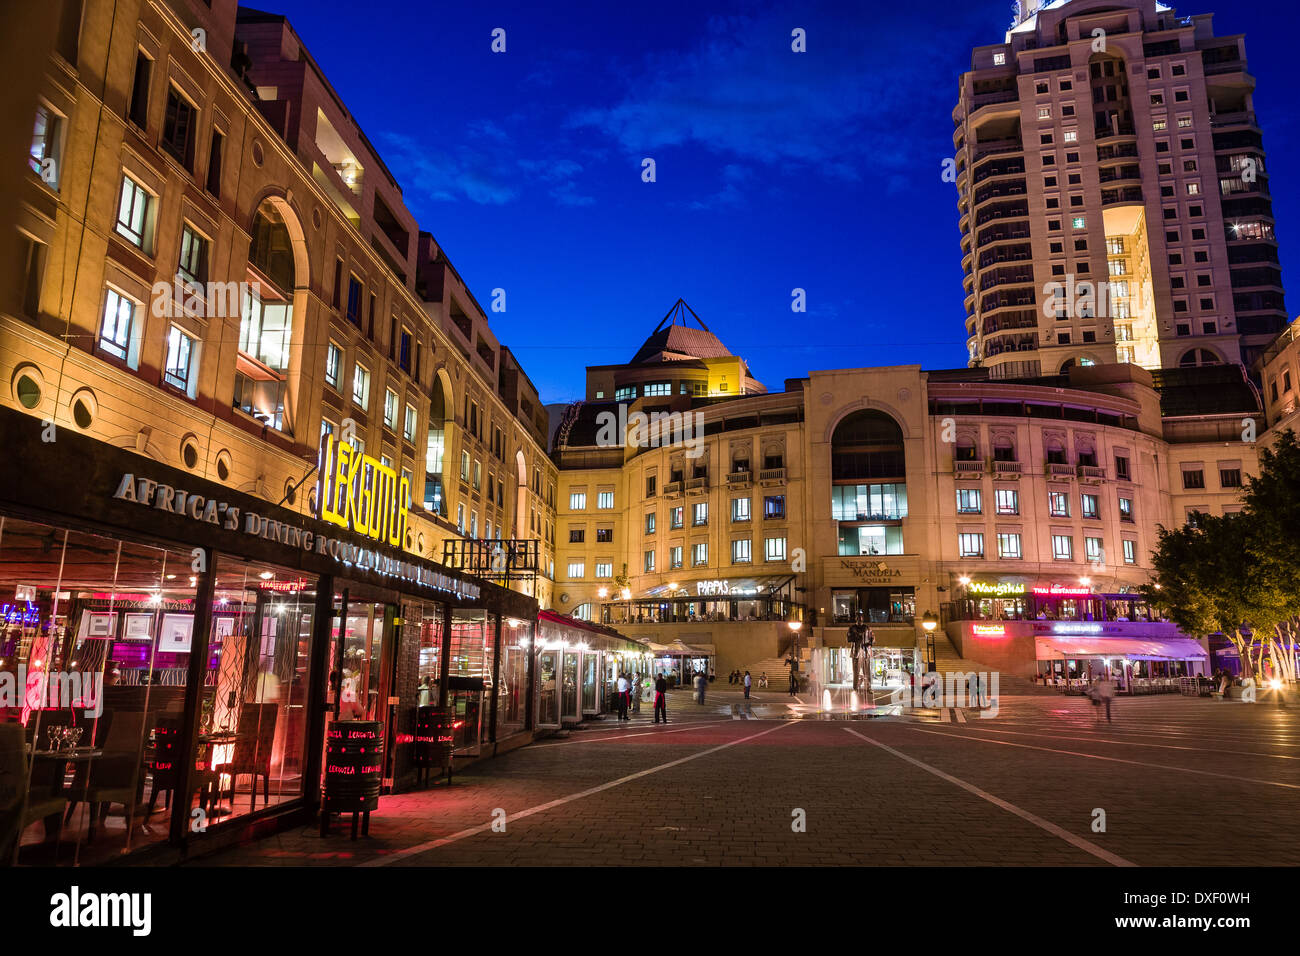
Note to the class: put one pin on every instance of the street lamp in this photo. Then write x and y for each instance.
(929, 622)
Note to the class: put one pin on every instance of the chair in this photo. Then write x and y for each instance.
(19, 807)
(115, 777)
(166, 770)
(252, 755)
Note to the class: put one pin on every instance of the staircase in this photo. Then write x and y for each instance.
(778, 673)
(947, 661)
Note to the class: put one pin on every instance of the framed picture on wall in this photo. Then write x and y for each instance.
(222, 628)
(138, 627)
(176, 633)
(100, 624)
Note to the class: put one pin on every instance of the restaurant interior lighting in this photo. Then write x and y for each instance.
(513, 622)
(626, 594)
(963, 580)
(1085, 580)
(266, 575)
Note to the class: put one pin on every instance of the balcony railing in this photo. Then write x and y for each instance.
(739, 479)
(697, 485)
(968, 467)
(773, 475)
(1006, 469)
(1055, 469)
(672, 489)
(1092, 471)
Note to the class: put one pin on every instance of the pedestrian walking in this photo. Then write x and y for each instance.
(622, 697)
(661, 699)
(748, 681)
(1102, 693)
(701, 685)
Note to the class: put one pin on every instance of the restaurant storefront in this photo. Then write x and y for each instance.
(1065, 634)
(708, 600)
(578, 665)
(173, 651)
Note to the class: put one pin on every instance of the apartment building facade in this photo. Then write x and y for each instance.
(1113, 197)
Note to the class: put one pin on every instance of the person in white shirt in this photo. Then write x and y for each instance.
(748, 682)
(622, 697)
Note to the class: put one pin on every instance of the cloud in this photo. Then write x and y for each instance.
(448, 175)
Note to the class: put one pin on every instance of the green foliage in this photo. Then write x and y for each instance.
(1223, 574)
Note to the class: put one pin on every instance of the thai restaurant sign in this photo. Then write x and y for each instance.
(361, 493)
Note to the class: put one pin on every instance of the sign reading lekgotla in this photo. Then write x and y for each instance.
(163, 497)
(361, 493)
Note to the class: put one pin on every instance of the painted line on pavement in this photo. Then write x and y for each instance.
(1136, 763)
(961, 718)
(1076, 841)
(1134, 743)
(552, 804)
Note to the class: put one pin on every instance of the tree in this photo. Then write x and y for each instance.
(1272, 500)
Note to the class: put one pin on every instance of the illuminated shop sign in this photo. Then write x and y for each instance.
(988, 630)
(995, 588)
(1061, 590)
(722, 586)
(361, 493)
(162, 497)
(1075, 627)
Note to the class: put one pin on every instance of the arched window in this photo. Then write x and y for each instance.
(869, 483)
(266, 320)
(435, 496)
(1193, 358)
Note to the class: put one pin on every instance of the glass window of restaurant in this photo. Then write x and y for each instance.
(895, 605)
(470, 670)
(94, 667)
(512, 688)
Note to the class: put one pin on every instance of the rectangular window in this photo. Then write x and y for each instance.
(1058, 504)
(604, 535)
(650, 486)
(118, 323)
(1193, 478)
(478, 474)
(355, 291)
(657, 388)
(604, 569)
(180, 358)
(460, 519)
(409, 424)
(133, 212)
(577, 501)
(1121, 467)
(1092, 546)
(361, 386)
(333, 365)
(968, 501)
(675, 517)
(138, 110)
(774, 506)
(1230, 477)
(214, 163)
(774, 549)
(1062, 547)
(178, 128)
(1125, 509)
(649, 561)
(699, 555)
(577, 535)
(700, 514)
(675, 556)
(404, 351)
(970, 545)
(1091, 509)
(577, 569)
(194, 256)
(1008, 501)
(650, 523)
(1130, 551)
(740, 509)
(390, 409)
(464, 466)
(44, 158)
(605, 500)
(740, 551)
(1009, 545)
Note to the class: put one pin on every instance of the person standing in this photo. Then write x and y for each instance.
(622, 697)
(661, 699)
(748, 682)
(794, 679)
(1106, 693)
(701, 684)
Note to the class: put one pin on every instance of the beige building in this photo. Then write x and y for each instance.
(879, 493)
(1112, 196)
(218, 269)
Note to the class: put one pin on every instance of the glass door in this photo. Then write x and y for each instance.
(548, 709)
(569, 687)
(590, 681)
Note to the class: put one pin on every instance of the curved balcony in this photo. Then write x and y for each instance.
(1117, 197)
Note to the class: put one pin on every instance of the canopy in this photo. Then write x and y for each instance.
(677, 647)
(1059, 647)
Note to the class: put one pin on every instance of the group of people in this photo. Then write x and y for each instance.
(629, 687)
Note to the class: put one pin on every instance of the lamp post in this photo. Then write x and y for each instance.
(794, 626)
(928, 623)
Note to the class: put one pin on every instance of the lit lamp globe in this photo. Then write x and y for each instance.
(795, 626)
(929, 622)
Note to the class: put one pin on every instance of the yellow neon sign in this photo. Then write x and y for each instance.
(361, 494)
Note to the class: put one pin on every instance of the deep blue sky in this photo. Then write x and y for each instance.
(775, 170)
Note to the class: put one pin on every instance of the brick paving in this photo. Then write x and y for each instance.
(1187, 782)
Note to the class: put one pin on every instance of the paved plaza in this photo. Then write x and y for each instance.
(1181, 781)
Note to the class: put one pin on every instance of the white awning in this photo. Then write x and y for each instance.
(1058, 647)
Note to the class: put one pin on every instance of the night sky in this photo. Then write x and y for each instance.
(775, 170)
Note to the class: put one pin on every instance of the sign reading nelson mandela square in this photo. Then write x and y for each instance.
(163, 497)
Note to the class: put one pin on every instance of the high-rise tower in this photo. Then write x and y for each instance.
(1113, 193)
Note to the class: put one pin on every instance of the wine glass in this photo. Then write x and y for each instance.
(74, 737)
(55, 732)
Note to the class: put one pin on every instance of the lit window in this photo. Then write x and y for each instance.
(699, 555)
(1090, 506)
(361, 386)
(999, 59)
(740, 551)
(1009, 545)
(409, 425)
(1059, 504)
(180, 358)
(675, 517)
(133, 211)
(774, 549)
(604, 570)
(1071, 136)
(1130, 551)
(605, 500)
(675, 556)
(649, 561)
(970, 545)
(1092, 546)
(44, 160)
(1062, 547)
(577, 569)
(1008, 501)
(577, 501)
(333, 365)
(650, 523)
(739, 509)
(700, 514)
(1079, 222)
(390, 409)
(968, 501)
(115, 330)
